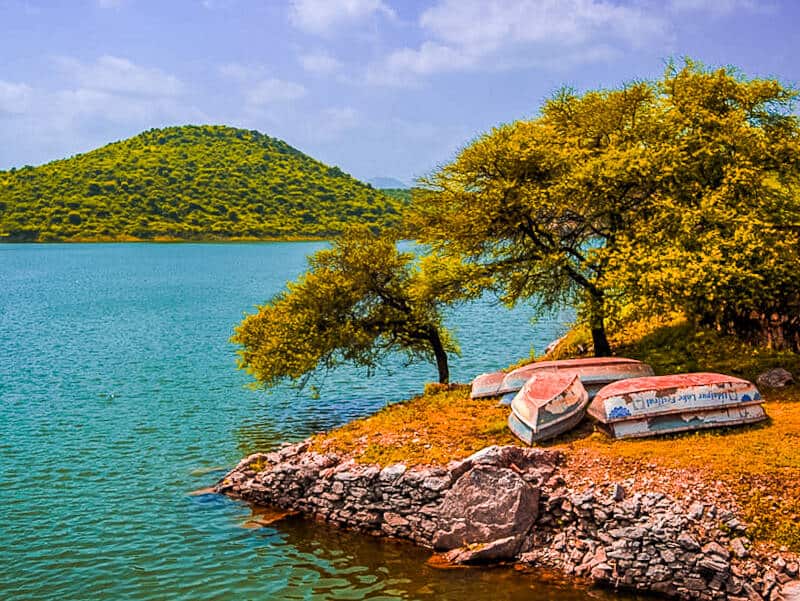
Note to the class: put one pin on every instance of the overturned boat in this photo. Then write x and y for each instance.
(664, 404)
(486, 385)
(547, 405)
(594, 372)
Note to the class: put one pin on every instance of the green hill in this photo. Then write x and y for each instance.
(191, 182)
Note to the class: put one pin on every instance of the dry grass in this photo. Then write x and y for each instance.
(433, 428)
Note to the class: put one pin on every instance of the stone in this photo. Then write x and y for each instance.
(392, 472)
(484, 505)
(775, 378)
(791, 591)
(714, 563)
(688, 542)
(696, 510)
(436, 483)
(714, 548)
(618, 493)
(497, 550)
(667, 555)
(394, 520)
(739, 548)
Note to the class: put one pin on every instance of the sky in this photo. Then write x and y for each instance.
(380, 88)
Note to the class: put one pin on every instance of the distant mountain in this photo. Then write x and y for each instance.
(189, 182)
(387, 182)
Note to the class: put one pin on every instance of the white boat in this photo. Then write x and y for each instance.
(594, 372)
(547, 405)
(664, 404)
(486, 385)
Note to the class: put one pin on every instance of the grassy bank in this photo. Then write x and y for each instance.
(759, 465)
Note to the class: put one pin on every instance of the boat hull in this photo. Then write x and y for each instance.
(486, 385)
(666, 404)
(595, 372)
(687, 421)
(546, 406)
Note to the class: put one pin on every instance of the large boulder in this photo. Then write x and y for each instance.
(485, 505)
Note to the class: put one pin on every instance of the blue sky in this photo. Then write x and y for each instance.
(378, 87)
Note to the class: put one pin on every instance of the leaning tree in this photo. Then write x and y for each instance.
(359, 301)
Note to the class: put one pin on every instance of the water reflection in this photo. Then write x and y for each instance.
(328, 563)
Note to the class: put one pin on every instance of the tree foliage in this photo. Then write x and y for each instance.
(676, 193)
(722, 241)
(191, 182)
(359, 301)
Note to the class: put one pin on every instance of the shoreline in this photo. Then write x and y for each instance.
(167, 240)
(538, 508)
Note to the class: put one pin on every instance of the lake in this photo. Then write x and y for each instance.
(119, 395)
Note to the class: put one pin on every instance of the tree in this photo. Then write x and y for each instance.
(723, 244)
(538, 204)
(659, 194)
(359, 301)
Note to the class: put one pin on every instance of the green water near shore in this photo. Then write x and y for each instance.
(119, 396)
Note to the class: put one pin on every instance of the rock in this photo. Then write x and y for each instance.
(688, 542)
(667, 555)
(602, 572)
(714, 563)
(392, 472)
(497, 550)
(775, 378)
(738, 545)
(486, 504)
(394, 520)
(791, 591)
(618, 493)
(696, 510)
(714, 548)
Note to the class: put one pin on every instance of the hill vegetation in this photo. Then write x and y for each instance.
(189, 182)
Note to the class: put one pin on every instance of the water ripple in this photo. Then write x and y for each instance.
(118, 396)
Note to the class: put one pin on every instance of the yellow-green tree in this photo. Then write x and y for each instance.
(656, 194)
(722, 241)
(359, 301)
(539, 204)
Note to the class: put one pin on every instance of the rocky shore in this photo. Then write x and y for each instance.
(525, 505)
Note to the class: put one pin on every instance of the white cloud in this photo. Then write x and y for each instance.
(239, 71)
(497, 34)
(719, 7)
(339, 119)
(121, 76)
(15, 98)
(323, 16)
(101, 100)
(258, 88)
(320, 63)
(273, 90)
(405, 66)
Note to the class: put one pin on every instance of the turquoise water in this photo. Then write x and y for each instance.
(119, 396)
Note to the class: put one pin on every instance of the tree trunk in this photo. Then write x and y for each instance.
(601, 346)
(597, 324)
(441, 356)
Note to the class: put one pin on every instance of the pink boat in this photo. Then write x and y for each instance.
(663, 404)
(594, 372)
(486, 385)
(547, 405)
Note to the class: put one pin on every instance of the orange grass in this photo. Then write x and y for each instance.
(432, 428)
